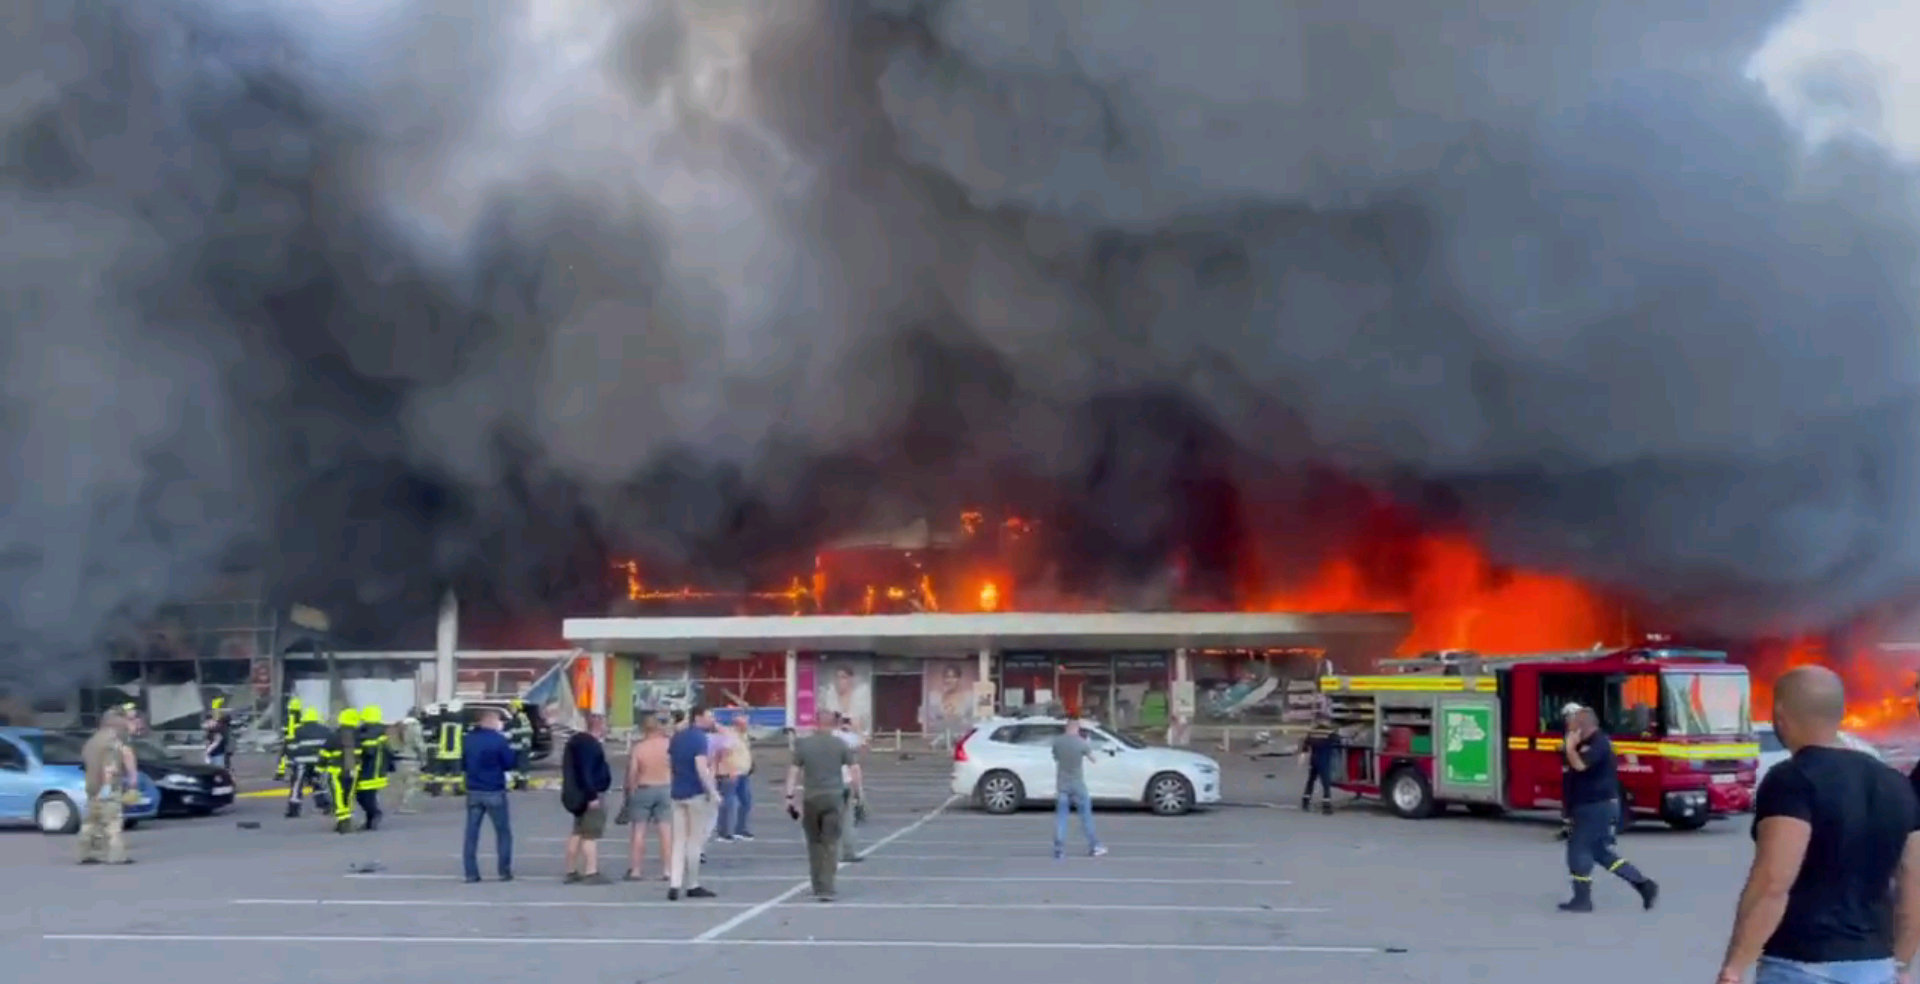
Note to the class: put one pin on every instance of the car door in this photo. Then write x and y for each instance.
(16, 780)
(1033, 755)
(1110, 771)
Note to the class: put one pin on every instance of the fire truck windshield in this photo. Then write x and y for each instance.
(1696, 704)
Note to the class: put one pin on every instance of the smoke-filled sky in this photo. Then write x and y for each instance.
(393, 293)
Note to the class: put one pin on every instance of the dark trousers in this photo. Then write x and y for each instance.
(1320, 770)
(493, 806)
(1590, 842)
(822, 819)
(369, 800)
(299, 776)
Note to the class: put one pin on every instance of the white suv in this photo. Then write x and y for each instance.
(1006, 763)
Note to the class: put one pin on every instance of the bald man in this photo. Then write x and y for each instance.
(1832, 827)
(1593, 810)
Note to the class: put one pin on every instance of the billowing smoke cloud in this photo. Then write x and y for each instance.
(407, 293)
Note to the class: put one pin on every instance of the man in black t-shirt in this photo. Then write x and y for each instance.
(1593, 807)
(1832, 828)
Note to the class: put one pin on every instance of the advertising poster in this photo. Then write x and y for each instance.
(947, 707)
(844, 685)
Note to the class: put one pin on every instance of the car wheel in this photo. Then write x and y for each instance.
(55, 814)
(1000, 792)
(1409, 794)
(1169, 794)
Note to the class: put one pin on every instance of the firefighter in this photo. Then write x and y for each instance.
(1593, 798)
(339, 764)
(303, 756)
(1320, 747)
(431, 768)
(449, 744)
(520, 736)
(289, 722)
(375, 762)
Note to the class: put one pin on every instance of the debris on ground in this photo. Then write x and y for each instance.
(248, 824)
(366, 867)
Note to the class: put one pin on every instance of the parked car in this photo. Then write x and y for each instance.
(542, 733)
(187, 787)
(1004, 764)
(43, 783)
(1772, 752)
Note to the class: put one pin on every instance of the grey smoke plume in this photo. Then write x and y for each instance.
(406, 292)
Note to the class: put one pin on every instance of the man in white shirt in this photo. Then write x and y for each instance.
(856, 808)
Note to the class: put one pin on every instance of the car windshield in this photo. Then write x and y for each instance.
(55, 749)
(1696, 704)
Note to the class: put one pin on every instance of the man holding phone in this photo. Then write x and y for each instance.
(1593, 808)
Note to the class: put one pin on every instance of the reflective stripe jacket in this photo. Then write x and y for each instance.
(307, 739)
(374, 762)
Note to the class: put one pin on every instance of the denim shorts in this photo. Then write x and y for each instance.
(1773, 970)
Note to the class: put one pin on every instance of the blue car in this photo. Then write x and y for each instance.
(43, 783)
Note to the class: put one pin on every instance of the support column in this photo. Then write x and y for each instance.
(1180, 721)
(446, 642)
(986, 677)
(793, 689)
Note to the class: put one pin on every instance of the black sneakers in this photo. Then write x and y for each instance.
(700, 892)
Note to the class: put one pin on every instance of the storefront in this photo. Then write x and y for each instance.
(1128, 690)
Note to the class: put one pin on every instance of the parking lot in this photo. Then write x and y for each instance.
(945, 894)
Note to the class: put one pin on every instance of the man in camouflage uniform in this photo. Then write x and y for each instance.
(409, 751)
(111, 779)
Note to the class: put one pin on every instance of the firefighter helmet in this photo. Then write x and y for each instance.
(371, 715)
(349, 718)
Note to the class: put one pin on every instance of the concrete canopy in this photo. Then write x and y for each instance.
(1354, 636)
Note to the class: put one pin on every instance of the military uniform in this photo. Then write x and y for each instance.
(108, 787)
(339, 764)
(303, 754)
(374, 762)
(409, 749)
(520, 736)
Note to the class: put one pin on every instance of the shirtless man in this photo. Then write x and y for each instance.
(649, 796)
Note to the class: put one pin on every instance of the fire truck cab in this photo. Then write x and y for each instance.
(1486, 733)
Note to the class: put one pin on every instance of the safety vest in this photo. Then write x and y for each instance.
(373, 757)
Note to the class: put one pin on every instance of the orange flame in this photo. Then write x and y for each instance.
(989, 597)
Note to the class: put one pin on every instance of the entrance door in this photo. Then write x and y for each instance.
(896, 702)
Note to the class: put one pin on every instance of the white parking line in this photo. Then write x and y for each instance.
(1066, 907)
(479, 941)
(801, 886)
(386, 876)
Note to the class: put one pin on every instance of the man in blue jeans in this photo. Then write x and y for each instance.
(1071, 752)
(488, 758)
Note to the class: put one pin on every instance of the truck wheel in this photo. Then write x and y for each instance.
(1409, 794)
(55, 814)
(1686, 823)
(1626, 812)
(1000, 792)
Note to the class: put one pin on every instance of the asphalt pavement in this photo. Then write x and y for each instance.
(944, 896)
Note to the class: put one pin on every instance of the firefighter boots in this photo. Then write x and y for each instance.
(1582, 900)
(1649, 891)
(1326, 807)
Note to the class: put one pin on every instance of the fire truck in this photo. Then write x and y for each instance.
(1486, 733)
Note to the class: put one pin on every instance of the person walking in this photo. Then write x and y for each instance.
(695, 797)
(822, 766)
(1071, 753)
(340, 764)
(1833, 828)
(409, 751)
(303, 760)
(487, 760)
(649, 797)
(585, 779)
(854, 807)
(218, 728)
(720, 753)
(111, 776)
(374, 765)
(1593, 807)
(736, 786)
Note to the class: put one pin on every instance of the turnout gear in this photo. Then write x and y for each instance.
(288, 722)
(448, 774)
(375, 762)
(339, 762)
(303, 755)
(520, 736)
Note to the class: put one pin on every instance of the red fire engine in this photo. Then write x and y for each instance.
(1485, 733)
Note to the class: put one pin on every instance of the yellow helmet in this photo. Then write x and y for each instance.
(370, 715)
(349, 718)
(219, 702)
(310, 714)
(516, 704)
(293, 703)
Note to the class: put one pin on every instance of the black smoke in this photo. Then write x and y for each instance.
(395, 295)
